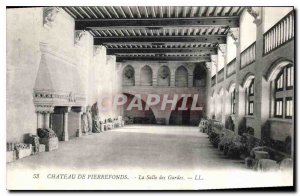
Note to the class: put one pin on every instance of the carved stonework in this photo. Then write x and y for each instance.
(255, 13)
(234, 34)
(44, 108)
(78, 36)
(129, 73)
(49, 15)
(164, 73)
(44, 97)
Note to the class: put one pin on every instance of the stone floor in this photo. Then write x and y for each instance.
(135, 146)
(138, 151)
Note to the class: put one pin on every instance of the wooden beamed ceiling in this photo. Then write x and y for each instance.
(158, 33)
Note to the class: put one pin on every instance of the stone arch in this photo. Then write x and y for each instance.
(139, 116)
(247, 79)
(271, 71)
(199, 76)
(128, 76)
(185, 117)
(212, 93)
(221, 91)
(163, 76)
(181, 77)
(146, 76)
(231, 87)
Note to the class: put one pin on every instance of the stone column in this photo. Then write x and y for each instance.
(208, 90)
(172, 77)
(214, 61)
(40, 117)
(235, 34)
(80, 112)
(261, 86)
(154, 79)
(190, 80)
(47, 120)
(66, 133)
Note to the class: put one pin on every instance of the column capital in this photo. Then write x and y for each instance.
(44, 109)
(255, 12)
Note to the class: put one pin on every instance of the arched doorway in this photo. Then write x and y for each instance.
(136, 116)
(186, 116)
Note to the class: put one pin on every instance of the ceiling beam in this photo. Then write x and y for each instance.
(83, 24)
(162, 58)
(220, 39)
(204, 50)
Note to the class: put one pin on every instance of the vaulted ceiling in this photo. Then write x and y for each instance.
(157, 33)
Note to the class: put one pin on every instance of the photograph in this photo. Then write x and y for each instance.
(160, 98)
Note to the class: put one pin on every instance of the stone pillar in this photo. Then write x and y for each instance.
(47, 120)
(208, 90)
(66, 133)
(40, 117)
(235, 34)
(80, 112)
(261, 86)
(172, 79)
(154, 79)
(190, 80)
(214, 61)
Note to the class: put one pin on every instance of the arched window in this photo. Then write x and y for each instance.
(128, 76)
(146, 76)
(181, 77)
(283, 92)
(163, 76)
(250, 97)
(232, 92)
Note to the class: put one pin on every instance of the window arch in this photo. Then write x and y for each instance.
(282, 85)
(232, 92)
(248, 84)
(146, 76)
(198, 76)
(128, 76)
(181, 77)
(163, 76)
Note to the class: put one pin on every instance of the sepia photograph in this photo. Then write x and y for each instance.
(192, 97)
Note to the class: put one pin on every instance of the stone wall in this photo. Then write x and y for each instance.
(27, 31)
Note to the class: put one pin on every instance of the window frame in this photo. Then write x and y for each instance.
(275, 109)
(251, 86)
(286, 100)
(281, 73)
(286, 77)
(249, 112)
(233, 99)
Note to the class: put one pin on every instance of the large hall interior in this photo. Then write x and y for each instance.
(238, 61)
